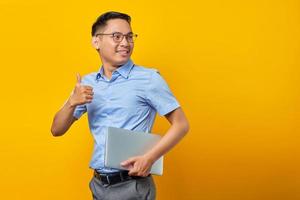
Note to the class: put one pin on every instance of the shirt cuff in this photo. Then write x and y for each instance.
(168, 108)
(77, 114)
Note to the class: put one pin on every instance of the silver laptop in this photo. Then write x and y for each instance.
(122, 144)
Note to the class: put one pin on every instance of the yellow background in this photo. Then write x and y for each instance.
(233, 65)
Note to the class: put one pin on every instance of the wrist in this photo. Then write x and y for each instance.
(150, 157)
(70, 103)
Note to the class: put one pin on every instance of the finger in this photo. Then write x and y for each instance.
(132, 172)
(124, 163)
(127, 162)
(88, 101)
(87, 87)
(128, 167)
(146, 173)
(88, 97)
(88, 92)
(85, 91)
(78, 78)
(142, 173)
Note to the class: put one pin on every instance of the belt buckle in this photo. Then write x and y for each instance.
(121, 176)
(108, 180)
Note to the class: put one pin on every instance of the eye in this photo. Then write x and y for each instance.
(117, 36)
(130, 36)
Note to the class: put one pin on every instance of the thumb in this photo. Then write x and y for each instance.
(78, 78)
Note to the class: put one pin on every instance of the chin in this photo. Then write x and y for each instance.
(122, 61)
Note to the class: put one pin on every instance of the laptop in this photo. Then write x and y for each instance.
(122, 144)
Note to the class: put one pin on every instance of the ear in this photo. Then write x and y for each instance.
(96, 42)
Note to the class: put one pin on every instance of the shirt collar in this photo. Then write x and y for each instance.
(123, 70)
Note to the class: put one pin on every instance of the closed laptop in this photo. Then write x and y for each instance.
(122, 144)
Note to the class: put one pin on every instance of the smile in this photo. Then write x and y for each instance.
(123, 51)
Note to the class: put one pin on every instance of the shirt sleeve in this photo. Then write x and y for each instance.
(79, 111)
(159, 95)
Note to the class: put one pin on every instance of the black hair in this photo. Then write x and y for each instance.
(102, 20)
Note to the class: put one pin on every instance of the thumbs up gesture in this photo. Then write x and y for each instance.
(81, 94)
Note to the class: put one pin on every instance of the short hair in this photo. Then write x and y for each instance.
(102, 20)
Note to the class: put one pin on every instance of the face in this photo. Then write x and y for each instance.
(114, 53)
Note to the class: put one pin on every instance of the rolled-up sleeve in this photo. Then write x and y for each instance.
(159, 95)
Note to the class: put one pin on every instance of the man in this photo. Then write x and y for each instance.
(122, 95)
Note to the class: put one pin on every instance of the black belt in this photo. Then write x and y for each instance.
(113, 178)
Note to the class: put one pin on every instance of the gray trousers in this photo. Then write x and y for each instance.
(134, 189)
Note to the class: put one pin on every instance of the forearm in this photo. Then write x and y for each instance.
(174, 134)
(63, 119)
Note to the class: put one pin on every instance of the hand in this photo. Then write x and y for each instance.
(81, 94)
(138, 166)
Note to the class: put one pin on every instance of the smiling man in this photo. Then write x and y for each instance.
(123, 95)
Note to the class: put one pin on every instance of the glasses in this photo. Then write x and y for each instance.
(118, 37)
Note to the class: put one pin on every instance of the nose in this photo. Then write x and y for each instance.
(124, 42)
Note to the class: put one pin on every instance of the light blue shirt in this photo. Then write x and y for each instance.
(129, 100)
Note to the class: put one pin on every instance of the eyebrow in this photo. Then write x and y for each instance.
(114, 32)
(121, 32)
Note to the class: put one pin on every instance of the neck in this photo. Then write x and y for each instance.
(108, 70)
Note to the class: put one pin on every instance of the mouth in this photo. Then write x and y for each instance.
(123, 52)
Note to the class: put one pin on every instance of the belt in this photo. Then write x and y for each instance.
(113, 178)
